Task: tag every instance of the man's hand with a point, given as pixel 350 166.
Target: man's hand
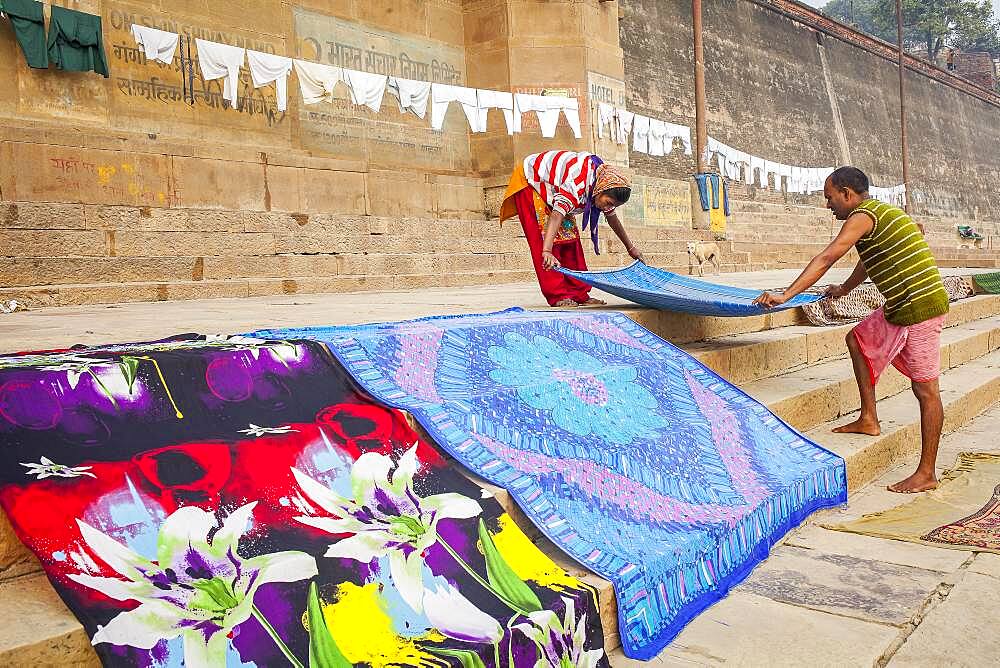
pixel 549 260
pixel 636 254
pixel 767 300
pixel 835 291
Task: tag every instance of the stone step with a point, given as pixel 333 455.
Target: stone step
pixel 818 393
pixel 51 636
pixel 744 358
pixel 966 390
pixel 40 630
pixel 37 296
pixel 39 271
pixel 983 263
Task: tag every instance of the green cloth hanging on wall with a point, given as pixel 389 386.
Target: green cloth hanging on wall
pixel 76 42
pixel 29 30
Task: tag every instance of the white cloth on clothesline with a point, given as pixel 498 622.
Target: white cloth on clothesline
pixel 640 133
pixel 158 44
pixel 442 95
pixel 266 68
pixel 317 81
pixel 605 119
pixel 657 138
pixel 221 61
pixel 548 109
pixel 367 89
pixel 623 120
pixel 412 95
pixel 495 99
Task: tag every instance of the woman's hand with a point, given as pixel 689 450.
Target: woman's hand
pixel 836 291
pixel 549 260
pixel 636 254
pixel 767 300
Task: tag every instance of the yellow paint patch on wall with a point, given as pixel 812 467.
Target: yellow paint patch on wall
pixel 362 627
pixel 528 561
pixel 104 174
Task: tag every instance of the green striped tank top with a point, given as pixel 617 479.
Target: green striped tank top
pixel 899 263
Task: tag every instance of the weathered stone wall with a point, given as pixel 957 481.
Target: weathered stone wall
pixel 775 88
pixel 120 189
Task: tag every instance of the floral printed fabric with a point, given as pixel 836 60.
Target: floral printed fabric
pixel 228 501
pixel 626 452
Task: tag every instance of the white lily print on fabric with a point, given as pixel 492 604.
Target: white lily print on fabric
pixel 386 517
pixel 456 617
pixel 560 644
pixel 199 589
pixel 49 469
pixel 255 430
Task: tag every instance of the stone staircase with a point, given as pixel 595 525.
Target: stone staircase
pixel 800 372
pixel 61 254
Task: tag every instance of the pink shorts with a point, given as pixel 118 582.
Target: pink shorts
pixel 914 350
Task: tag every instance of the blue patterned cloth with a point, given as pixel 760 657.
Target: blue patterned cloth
pixel 630 455
pixel 666 290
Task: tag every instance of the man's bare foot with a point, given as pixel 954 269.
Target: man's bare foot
pixel 566 302
pixel 593 301
pixel 869 427
pixel 918 482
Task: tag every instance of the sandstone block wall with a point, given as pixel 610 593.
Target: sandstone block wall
pixel 120 189
pixel 785 92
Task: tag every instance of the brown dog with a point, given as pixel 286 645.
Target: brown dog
pixel 701 252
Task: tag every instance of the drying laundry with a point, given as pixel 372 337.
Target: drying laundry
pixel 237 502
pixel 640 134
pixel 367 89
pixel 76 42
pixel 682 132
pixel 266 68
pixel 605 120
pixel 548 108
pixel 624 125
pixel 28 22
pixel 657 137
pixel 661 289
pixel 412 95
pixel 317 81
pixel 771 169
pixel 495 99
pixel 629 454
pixel 221 61
pixel 158 45
pixel 757 172
pixel 442 95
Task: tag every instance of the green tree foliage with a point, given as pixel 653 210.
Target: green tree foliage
pixel 931 25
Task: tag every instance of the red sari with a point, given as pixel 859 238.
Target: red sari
pixel 533 213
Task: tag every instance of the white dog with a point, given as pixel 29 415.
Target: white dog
pixel 702 252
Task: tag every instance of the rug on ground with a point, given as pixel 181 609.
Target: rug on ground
pixel 238 502
pixel 963 513
pixel 629 454
pixel 661 289
pixel 859 303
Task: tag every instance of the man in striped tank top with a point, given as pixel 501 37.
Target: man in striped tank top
pixel 906 331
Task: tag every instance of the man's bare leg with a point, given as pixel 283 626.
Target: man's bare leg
pixel 931 421
pixel 867 422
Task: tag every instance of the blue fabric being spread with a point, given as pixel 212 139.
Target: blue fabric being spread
pixel 630 455
pixel 666 290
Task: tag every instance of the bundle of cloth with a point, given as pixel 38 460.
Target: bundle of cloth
pixel 861 301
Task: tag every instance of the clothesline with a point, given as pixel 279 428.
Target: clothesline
pixel 318 81
pixel 647 134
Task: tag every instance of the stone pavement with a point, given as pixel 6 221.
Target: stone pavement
pixel 829 598
pixel 114 323
pixel 822 598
